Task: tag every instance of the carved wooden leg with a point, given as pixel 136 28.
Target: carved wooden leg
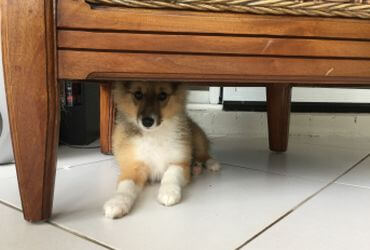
pixel 107 113
pixel 278 113
pixel 28 43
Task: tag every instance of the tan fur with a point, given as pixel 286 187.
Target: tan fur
pixel 194 136
pixel 161 150
pixel 200 143
pixel 130 168
pixel 187 171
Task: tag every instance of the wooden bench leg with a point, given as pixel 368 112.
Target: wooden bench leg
pixel 278 114
pixel 106 118
pixel 28 43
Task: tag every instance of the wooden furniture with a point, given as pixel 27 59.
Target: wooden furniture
pixel 107 114
pixel 43 41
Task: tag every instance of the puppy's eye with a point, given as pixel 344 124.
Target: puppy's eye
pixel 162 96
pixel 138 95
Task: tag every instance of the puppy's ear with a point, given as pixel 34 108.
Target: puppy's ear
pixel 127 85
pixel 121 86
pixel 119 90
pixel 177 86
pixel 179 92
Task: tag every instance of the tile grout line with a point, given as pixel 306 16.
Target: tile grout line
pixel 300 142
pixel 301 203
pixel 324 145
pixel 83 164
pixel 273 173
pixel 352 185
pixel 10 206
pixel 68 167
pixel 53 224
pixel 84 237
pixel 249 168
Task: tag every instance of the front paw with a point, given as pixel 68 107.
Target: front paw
pixel 213 165
pixel 117 207
pixel 169 194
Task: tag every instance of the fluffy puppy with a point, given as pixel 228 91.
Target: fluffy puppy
pixel 154 140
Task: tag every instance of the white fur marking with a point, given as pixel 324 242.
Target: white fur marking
pixel 169 194
pixel 159 147
pixel 121 203
pixel 170 190
pixel 213 165
pixel 174 175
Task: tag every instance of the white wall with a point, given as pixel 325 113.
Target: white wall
pixel 204 95
pixel 301 94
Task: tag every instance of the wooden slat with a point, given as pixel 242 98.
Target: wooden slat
pixel 78 14
pixel 85 64
pixel 212 44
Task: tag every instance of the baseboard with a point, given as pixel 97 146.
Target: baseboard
pixel 301 107
pixel 218 123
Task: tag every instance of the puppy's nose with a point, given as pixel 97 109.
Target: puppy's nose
pixel 147 122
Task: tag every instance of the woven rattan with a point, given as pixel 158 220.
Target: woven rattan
pixel 331 8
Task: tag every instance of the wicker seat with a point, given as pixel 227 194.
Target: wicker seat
pixel 331 8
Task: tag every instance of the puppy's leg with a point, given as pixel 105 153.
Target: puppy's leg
pixel 201 148
pixel 173 180
pixel 130 184
pixel 213 165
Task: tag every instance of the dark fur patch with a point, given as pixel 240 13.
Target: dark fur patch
pixel 131 129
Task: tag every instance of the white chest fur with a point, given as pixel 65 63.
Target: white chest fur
pixel 160 147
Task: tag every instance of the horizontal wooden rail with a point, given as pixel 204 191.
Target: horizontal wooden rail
pixel 213 44
pixel 85 64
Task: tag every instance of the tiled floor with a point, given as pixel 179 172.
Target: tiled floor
pixel 315 196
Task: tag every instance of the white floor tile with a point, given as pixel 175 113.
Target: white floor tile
pixel 70 157
pixel 359 176
pixel 358 143
pixel 17 234
pixel 313 162
pixel 219 211
pixel 9 191
pixel 67 157
pixel 337 218
pixel 7 171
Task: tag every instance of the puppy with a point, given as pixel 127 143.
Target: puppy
pixel 154 140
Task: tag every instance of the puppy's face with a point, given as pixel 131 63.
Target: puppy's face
pixel 148 104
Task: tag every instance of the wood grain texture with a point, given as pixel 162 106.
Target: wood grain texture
pixel 77 14
pixel 107 114
pixel 81 65
pixel 278 115
pixel 28 43
pixel 122 41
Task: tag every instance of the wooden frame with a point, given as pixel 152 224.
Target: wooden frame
pixel 77 15
pixel 29 56
pixel 107 115
pixel 104 44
